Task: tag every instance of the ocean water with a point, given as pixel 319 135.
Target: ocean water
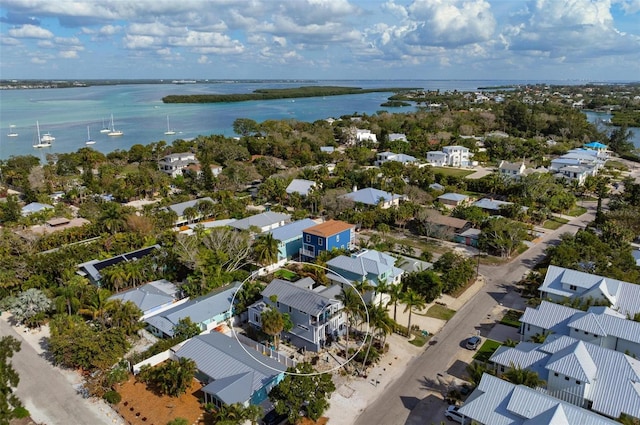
pixel 139 112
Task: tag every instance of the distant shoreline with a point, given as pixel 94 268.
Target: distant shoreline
pixel 271 94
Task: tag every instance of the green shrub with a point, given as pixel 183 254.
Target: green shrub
pixel 112 397
pixel 21 413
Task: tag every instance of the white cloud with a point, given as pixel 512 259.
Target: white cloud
pixel 203 60
pixel 30 31
pixel 109 30
pixel 38 61
pixel 135 42
pixel 69 54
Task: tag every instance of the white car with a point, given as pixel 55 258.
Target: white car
pixel 452 414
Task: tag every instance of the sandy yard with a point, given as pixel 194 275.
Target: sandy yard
pixel 141 406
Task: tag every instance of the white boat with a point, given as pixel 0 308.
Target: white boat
pixel 41 142
pixel 169 132
pixel 12 131
pixel 89 141
pixel 105 129
pixel 113 131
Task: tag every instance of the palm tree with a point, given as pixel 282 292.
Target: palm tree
pixel 382 287
pixel 475 370
pixel 411 299
pixel 519 376
pixel 134 271
pixel 265 249
pixel 96 303
pixel 272 324
pixel 395 291
pixel 114 277
pixel 68 296
pixel 380 322
pixel 125 316
pixel 350 305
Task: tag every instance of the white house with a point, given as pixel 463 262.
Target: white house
pixel 598 325
pixel 560 283
pixel 498 402
pixel 300 186
pixel 453 156
pixel 364 135
pixel 383 157
pixel 175 163
pixel 373 197
pixel 264 222
pixel 580 373
pixel 512 170
pixel 397 136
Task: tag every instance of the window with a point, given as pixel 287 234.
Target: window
pixel 573 287
pixel 586 333
pixel 337 238
pixel 578 382
pixel 278 304
pixel 303 327
pixel 555 374
pixel 566 378
pixel 320 241
pixel 289 309
pixel 501 368
pixel 308 238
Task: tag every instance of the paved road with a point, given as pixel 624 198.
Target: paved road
pixel 407 401
pixel 46 393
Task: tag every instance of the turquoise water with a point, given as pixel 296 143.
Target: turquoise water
pixel 139 112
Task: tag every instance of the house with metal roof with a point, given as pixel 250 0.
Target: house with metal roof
pixel 452 199
pixel 402 158
pixel 454 156
pixel 598 325
pixel 580 373
pixel 332 234
pixel 315 312
pixel 367 265
pixel 374 197
pixel 289 237
pixel 512 170
pixel 498 402
pixel 175 163
pixel 34 207
pixel 180 208
pixel 469 237
pixel 91 269
pixel 231 373
pixel 152 298
pixel 491 206
pixel 263 222
pixel 561 283
pixel 300 186
pixel 207 312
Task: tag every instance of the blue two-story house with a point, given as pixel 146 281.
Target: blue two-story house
pixel 366 265
pixel 315 312
pixel 332 234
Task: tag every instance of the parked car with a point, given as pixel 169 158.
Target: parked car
pixel 473 343
pixel 452 414
pixel 272 418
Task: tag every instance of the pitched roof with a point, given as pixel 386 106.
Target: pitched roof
pixel 93 268
pixel 35 207
pixel 614 376
pixel 549 316
pixel 490 204
pixel 264 219
pixel 301 186
pixel 149 296
pixel 180 207
pixel 199 310
pixel 370 196
pixel 457 197
pixel 624 296
pixel 291 230
pixel 238 374
pixel 364 263
pixel 297 297
pixel 329 228
pixel 436 217
pixel 498 402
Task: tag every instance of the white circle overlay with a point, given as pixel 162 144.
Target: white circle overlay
pixel 252 277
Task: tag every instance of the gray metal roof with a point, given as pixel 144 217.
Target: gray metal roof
pixel 490 204
pixel 614 376
pixel 180 207
pixel 291 230
pixel 456 197
pixel 301 186
pixel 549 316
pixel 149 296
pixel 199 310
pixel 222 358
pixel 364 263
pixel 302 299
pixel 498 402
pixel 264 219
pixel 624 296
pixel 370 196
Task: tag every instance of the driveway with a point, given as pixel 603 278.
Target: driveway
pixel 47 391
pixel 408 400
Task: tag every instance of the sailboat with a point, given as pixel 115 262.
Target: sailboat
pixel 113 131
pixel 12 131
pixel 105 129
pixel 89 141
pixel 41 142
pixel 169 131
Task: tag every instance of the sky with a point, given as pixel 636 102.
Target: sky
pixel 590 40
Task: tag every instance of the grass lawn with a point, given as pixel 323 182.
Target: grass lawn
pixel 512 318
pixel 447 171
pixel 486 350
pixel 577 211
pixel 554 223
pixel 441 312
pixel 419 340
pixel 286 275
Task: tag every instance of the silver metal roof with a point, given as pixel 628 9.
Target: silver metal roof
pixel 302 299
